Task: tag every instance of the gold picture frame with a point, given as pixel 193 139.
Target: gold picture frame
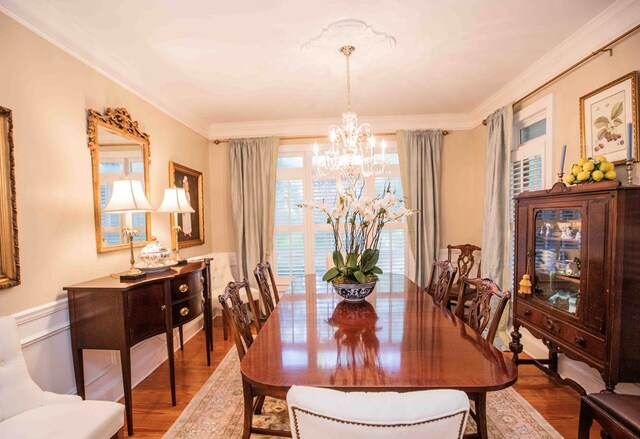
pixel 9 254
pixel 191 224
pixel 604 114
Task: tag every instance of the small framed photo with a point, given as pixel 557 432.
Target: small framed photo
pixel 191 224
pixel 604 115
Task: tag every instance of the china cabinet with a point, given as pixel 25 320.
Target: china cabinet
pixel 581 247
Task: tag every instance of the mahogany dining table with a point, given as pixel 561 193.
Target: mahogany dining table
pixel 397 340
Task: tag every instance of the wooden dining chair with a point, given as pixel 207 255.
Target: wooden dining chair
pixel 240 327
pixel 444 273
pixel 485 323
pixel 465 263
pixel 267 287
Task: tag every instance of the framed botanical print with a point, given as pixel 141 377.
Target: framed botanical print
pixel 604 115
pixel 191 224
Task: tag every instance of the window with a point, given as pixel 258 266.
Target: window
pixel 530 155
pixel 303 239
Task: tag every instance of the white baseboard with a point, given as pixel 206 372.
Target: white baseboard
pixel 46 344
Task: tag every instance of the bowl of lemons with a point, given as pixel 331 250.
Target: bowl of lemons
pixel 590 170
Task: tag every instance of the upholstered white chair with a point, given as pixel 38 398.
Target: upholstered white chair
pixel 317 413
pixel 27 412
pixel 220 277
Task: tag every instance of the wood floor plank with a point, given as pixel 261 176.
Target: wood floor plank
pixel 153 413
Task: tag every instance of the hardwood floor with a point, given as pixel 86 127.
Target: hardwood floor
pixel 153 413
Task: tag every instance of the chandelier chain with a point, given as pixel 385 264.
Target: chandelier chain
pixel 348 83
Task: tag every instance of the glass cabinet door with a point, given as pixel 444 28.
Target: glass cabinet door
pixel 557 258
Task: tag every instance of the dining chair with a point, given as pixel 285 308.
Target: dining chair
pixel 445 273
pixel 268 293
pixel 465 263
pixel 485 323
pixel 240 327
pixel 318 413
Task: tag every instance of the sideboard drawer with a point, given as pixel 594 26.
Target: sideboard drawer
pixel 184 286
pixel 578 339
pixel 186 310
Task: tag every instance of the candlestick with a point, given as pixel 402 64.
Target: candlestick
pixel 629 141
pixel 629 170
pixel 564 153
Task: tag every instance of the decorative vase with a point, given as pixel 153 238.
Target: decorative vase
pixel 354 292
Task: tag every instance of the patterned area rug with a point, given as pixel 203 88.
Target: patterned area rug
pixel 216 411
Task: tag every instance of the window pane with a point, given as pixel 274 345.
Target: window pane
pixel 392 244
pixel 323 190
pixel 392 158
pixel 533 131
pixel 289 253
pixel 323 249
pixel 395 183
pixel 290 162
pixel 136 167
pixel 288 196
pixel 110 168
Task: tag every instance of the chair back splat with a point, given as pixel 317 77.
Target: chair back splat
pixel 446 273
pixel 479 314
pixel 467 258
pixel 268 288
pixel 236 314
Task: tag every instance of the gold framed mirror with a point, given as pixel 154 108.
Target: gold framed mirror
pixel 118 150
pixel 9 261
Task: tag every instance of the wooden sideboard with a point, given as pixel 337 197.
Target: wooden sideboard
pixel 108 314
pixel 581 245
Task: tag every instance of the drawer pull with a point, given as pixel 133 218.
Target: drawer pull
pixel 163 307
pixel 184 311
pixel 202 279
pixel 526 313
pixel 580 341
pixel 183 288
pixel 552 325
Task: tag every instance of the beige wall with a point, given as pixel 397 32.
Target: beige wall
pixel 220 188
pixel 49 93
pixel 462 193
pixel 568 90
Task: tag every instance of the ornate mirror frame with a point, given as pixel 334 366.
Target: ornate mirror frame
pixel 119 121
pixel 9 260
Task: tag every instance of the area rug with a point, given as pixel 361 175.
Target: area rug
pixel 216 411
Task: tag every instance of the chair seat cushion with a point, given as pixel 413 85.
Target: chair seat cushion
pixel 78 420
pixel 624 408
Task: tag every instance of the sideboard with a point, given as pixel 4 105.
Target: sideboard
pixel 108 314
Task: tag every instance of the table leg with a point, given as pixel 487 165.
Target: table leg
pixel 78 369
pixel 125 360
pixel 169 332
pixel 481 413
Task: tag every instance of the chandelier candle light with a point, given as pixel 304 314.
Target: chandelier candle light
pixel 352 151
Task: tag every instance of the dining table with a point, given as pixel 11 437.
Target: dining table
pixel 398 340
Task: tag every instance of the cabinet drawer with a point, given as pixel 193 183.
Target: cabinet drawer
pixel 184 286
pixel 186 310
pixel 575 338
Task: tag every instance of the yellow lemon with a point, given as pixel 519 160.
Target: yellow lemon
pixel 601 158
pixel 584 175
pixel 582 161
pixel 575 169
pixel 597 175
pixel 588 166
pixel 569 178
pixel 606 167
pixel 611 175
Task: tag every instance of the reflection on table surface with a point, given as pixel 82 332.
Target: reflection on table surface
pixel 396 339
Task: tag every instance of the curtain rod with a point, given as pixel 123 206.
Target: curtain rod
pixel 289 138
pixel 605 48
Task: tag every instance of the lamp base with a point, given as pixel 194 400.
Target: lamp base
pixel 131 274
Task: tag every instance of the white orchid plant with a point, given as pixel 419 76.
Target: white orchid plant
pixel 357 223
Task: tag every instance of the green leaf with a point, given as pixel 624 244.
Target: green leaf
pixel 371 261
pixel 332 273
pixel 338 259
pixel 376 270
pixel 617 122
pixel 616 110
pixel 352 260
pixel 360 277
pixel 601 122
pixel 601 133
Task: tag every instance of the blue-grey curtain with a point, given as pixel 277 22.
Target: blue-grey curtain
pixel 495 228
pixel 420 153
pixel 253 191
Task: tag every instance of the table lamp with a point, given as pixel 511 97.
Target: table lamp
pixel 128 197
pixel 175 202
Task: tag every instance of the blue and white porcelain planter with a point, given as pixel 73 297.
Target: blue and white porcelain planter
pixel 354 292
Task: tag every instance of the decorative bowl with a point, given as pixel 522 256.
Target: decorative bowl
pixel 154 254
pixel 354 292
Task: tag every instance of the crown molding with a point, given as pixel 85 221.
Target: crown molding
pixel 314 127
pixel 52 25
pixel 603 28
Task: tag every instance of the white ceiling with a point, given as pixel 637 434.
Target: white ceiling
pixel 214 62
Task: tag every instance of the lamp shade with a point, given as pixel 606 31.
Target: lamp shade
pixel 127 196
pixel 175 201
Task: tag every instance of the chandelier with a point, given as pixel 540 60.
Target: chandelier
pixel 353 147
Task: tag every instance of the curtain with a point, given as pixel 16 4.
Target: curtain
pixel 419 153
pixel 253 191
pixel 496 228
